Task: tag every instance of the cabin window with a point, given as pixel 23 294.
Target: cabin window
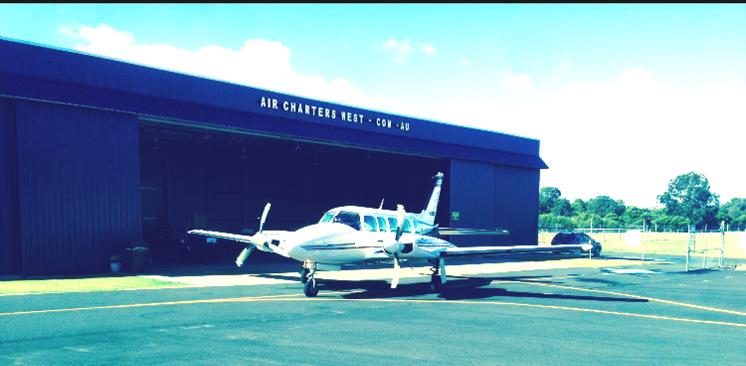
pixel 407 226
pixel 392 224
pixel 370 223
pixel 351 219
pixel 381 223
pixel 327 217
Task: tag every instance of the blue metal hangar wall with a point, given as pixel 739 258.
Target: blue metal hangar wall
pixel 97 154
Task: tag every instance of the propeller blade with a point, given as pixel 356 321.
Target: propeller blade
pixel 264 216
pixel 395 278
pixel 399 221
pixel 245 253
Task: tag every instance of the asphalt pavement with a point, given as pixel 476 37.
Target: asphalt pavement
pixel 635 314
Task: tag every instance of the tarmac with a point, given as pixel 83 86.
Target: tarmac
pixel 601 311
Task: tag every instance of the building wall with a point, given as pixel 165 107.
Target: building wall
pixel 78 183
pixel 9 245
pixel 488 196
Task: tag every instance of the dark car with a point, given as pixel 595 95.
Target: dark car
pixel 577 238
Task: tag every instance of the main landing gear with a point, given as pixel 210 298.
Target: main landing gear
pixel 438 278
pixel 308 278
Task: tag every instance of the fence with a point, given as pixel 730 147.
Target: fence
pixel 700 248
pixel 705 248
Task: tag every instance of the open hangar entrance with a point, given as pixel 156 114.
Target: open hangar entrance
pixel 197 177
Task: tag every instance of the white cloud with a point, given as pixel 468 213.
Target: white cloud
pixel 464 62
pixel 521 83
pixel 427 49
pixel 400 49
pixel 258 63
pixel 625 137
pixel 403 49
pixel 628 137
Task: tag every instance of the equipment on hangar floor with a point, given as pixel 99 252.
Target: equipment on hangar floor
pixel 354 234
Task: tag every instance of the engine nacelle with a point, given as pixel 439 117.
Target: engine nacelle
pixel 397 248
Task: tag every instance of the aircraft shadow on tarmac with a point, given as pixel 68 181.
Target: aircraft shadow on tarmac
pixel 458 288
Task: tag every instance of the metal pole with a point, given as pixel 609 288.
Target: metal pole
pixel 689 245
pixel 722 243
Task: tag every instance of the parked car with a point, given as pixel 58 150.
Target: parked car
pixel 577 238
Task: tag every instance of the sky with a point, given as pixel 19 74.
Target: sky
pixel 622 97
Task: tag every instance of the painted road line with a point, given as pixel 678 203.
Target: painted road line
pixel 149 304
pixel 518 304
pixel 290 298
pixel 651 299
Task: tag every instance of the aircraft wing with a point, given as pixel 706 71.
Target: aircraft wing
pixel 516 249
pixel 221 235
pixel 466 231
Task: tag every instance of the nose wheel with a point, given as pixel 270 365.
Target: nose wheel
pixel 308 278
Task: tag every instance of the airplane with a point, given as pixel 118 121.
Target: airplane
pixel 357 235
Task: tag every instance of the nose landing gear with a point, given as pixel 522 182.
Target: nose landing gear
pixel 308 278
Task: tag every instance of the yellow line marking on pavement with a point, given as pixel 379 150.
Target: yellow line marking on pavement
pixel 518 304
pixel 651 299
pixel 185 286
pixel 150 304
pixel 291 297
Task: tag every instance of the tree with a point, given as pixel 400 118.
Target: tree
pixel 548 197
pixel 578 206
pixel 634 216
pixel 604 205
pixel 689 196
pixel 554 222
pixel 733 212
pixel 562 207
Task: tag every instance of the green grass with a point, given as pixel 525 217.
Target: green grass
pixel 81 285
pixel 666 243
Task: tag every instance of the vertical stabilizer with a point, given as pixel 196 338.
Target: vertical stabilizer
pixel 428 213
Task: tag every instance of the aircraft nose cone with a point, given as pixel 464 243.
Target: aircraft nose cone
pixel 312 236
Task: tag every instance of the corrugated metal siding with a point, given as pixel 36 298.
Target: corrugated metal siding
pixel 78 187
pixel 472 195
pixel 9 245
pixel 489 196
pixel 517 203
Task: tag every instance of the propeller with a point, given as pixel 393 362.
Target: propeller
pixel 395 277
pixel 254 240
pixel 245 253
pixel 396 247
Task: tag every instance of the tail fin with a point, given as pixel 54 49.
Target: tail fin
pixel 428 213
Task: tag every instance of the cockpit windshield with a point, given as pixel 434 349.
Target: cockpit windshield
pixel 351 219
pixel 327 217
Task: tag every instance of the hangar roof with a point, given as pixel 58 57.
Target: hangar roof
pixel 42 73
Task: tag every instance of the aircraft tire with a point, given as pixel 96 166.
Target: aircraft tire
pixel 435 284
pixel 310 288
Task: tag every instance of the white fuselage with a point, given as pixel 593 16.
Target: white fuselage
pixel 336 243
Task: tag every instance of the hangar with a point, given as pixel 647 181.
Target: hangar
pixel 98 154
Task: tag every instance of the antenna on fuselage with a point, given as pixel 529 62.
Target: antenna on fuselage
pixel 381 205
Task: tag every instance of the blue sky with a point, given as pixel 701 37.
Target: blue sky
pixel 623 97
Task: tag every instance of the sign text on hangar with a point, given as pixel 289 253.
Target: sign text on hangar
pixel 308 109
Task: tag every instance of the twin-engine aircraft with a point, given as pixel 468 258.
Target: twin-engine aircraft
pixel 354 234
